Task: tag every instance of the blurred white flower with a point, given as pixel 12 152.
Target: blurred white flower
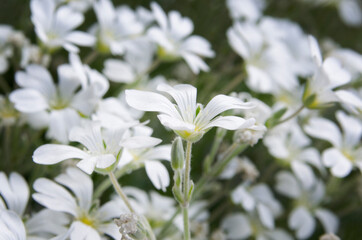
pixel 150 156
pixel 328 75
pixel 242 166
pixel 260 113
pixel 259 201
pixel 55 26
pixel 307 207
pixel 239 226
pixel 135 66
pixel 265 58
pixel 189 119
pixel 174 40
pixel 292 147
pixel 41 226
pixel 54 106
pixel 346 150
pixel 116 29
pixel 89 221
pixel 155 207
pixel 250 10
pixel 78 5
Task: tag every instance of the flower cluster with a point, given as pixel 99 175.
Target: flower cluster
pixel 257 131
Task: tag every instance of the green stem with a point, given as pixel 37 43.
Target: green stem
pixel 234 150
pixel 291 116
pixel 220 134
pixel 154 65
pixel 103 186
pixel 90 57
pixel 185 205
pixel 120 192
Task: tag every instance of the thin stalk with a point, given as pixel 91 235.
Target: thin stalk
pixel 234 150
pixel 103 186
pixel 91 57
pixel 120 192
pixel 291 115
pixel 185 206
pixel 154 65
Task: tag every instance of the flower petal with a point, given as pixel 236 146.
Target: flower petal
pixel 152 102
pixel 324 129
pixel 158 174
pixel 54 196
pixel 340 165
pixel 302 221
pixel 140 142
pixel 231 123
pixel 219 104
pixel 80 184
pixel 54 153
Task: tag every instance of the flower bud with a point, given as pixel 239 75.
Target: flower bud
pixel 177 154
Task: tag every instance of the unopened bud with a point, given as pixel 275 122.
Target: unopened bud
pixel 177 154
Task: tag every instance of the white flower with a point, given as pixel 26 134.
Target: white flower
pixel 54 106
pixel 148 154
pixel 307 202
pixel 102 148
pixel 350 12
pixel 89 222
pixel 155 207
pixel 346 150
pixel 11 225
pixel 78 5
pixel 259 201
pixel 15 192
pixel 117 28
pixel 265 58
pixel 328 75
pixel 291 146
pixel 260 113
pixel 241 226
pixel 114 113
pixel 55 26
pixel 189 119
pixel 250 10
pixel 173 37
pixel 135 66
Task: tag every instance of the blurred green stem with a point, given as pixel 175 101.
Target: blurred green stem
pixel 291 116
pixel 91 57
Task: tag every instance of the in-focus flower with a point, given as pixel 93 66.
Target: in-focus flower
pixel 346 150
pixel 55 26
pixel 187 118
pixel 328 75
pixel 308 201
pixel 89 221
pixel 102 148
pixel 174 40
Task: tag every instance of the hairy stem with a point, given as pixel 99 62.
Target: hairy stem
pixel 185 206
